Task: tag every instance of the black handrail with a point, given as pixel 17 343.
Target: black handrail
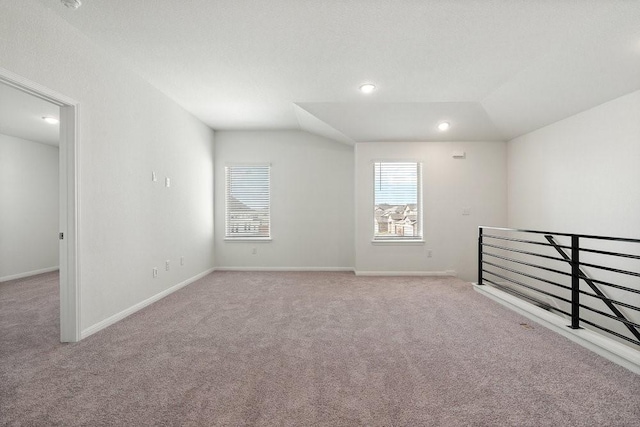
pixel 576 274
pixel 586 236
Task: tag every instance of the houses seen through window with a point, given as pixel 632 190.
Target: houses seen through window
pixel 247 202
pixel 397 201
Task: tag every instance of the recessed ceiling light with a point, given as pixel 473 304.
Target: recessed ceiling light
pixel 444 126
pixel 51 120
pixel 367 88
pixel 71 4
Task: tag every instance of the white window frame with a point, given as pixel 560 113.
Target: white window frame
pixel 231 238
pixel 395 240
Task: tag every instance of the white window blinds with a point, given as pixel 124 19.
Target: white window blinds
pixel 397 201
pixel 248 195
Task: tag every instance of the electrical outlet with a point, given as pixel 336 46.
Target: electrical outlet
pixel 429 253
pixel 254 251
pixel 167 182
pixel 166 265
pixel 155 272
pixel 181 260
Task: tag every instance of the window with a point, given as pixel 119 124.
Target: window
pixel 397 209
pixel 248 197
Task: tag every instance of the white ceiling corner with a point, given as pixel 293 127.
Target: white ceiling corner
pixel 312 124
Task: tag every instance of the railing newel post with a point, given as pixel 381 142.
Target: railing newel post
pixel 575 282
pixel 480 256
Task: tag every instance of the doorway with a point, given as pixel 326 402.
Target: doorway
pixel 67 206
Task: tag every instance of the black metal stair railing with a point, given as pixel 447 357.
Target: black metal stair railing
pixel 520 266
pixel 598 293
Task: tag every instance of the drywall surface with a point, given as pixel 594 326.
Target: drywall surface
pixel 28 207
pixel 127 224
pixel 476 182
pixel 581 174
pixel 311 200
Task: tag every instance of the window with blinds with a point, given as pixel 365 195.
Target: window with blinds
pixel 397 201
pixel 248 200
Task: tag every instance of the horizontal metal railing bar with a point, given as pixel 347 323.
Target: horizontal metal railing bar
pixel 596 251
pixel 533 288
pixel 610 316
pixel 620 254
pixel 602 328
pixel 524 252
pixel 603 298
pixel 586 236
pixel 612 285
pixel 531 276
pixel 614 270
pixel 525 296
pixel 553 270
pixel 532 242
pixel 559 247
pixel 601 252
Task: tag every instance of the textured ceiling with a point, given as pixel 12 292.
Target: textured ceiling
pixel 495 68
pixel 21 116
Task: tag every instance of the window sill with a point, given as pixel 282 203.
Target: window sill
pixel 248 239
pixel 417 242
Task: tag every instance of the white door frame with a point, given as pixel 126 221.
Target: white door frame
pixel 68 181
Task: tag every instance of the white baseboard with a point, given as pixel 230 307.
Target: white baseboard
pixel 284 269
pixel 615 351
pixel 29 273
pixel 407 273
pixel 139 306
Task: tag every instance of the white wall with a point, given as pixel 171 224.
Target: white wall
pixel 581 174
pixel 477 182
pixel 127 224
pixel 28 207
pixel 311 200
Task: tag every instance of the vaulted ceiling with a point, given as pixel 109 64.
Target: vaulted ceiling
pixel 494 69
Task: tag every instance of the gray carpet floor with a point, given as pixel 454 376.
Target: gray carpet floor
pixel 304 349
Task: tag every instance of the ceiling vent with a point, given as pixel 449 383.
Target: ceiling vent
pixel 71 4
